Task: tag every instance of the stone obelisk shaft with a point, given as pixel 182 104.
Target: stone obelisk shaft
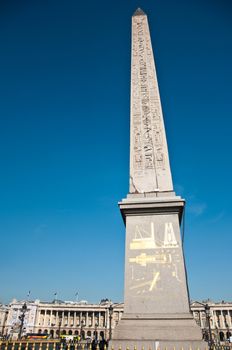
pixel 156 303
pixel 149 161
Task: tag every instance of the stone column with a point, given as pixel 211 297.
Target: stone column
pixel 45 318
pixel 200 318
pixel 62 319
pixel 222 320
pixel 38 319
pixel 228 318
pixel 52 317
pixel 107 319
pixel 107 323
pixel 212 319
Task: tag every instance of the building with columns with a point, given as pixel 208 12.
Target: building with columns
pixel 3 317
pixel 76 318
pixel 220 319
pixel 12 322
pixel 64 318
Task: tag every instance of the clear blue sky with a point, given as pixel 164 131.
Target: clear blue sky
pixel 64 141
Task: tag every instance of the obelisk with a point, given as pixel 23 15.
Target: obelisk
pixel 156 302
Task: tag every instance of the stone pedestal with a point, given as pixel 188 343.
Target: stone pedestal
pixel 156 312
pixel 179 331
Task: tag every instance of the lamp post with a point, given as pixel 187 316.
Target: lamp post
pixel 207 315
pixel 227 331
pixel 111 310
pixel 82 325
pixel 96 325
pixel 60 320
pixel 217 335
pixel 22 317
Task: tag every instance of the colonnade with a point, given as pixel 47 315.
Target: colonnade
pixel 85 322
pixel 220 320
pixel 88 319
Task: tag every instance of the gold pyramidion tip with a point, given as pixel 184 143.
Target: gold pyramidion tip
pixel 139 12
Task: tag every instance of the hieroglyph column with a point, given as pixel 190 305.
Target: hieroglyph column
pixel 149 161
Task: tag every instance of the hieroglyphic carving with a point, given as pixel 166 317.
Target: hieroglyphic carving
pixel 150 170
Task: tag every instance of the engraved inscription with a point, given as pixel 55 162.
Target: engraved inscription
pixel 149 169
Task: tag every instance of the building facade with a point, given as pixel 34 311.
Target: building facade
pixel 63 318
pixel 3 317
pixel 12 322
pixel 87 320
pixel 220 319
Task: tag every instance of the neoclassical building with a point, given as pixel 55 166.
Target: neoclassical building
pixel 81 318
pixel 76 318
pixel 220 319
pixel 3 317
pixel 70 318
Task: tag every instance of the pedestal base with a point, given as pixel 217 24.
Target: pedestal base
pixel 179 332
pixel 158 345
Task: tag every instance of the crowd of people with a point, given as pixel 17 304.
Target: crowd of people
pixel 94 344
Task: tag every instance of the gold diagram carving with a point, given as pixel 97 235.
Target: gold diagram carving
pixel 162 253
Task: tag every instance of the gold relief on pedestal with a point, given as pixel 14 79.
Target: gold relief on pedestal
pixel 161 253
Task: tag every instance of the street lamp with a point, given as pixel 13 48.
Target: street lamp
pixel 207 315
pixel 111 310
pixel 22 317
pixel 217 335
pixel 60 320
pixel 228 331
pixel 96 325
pixel 82 324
